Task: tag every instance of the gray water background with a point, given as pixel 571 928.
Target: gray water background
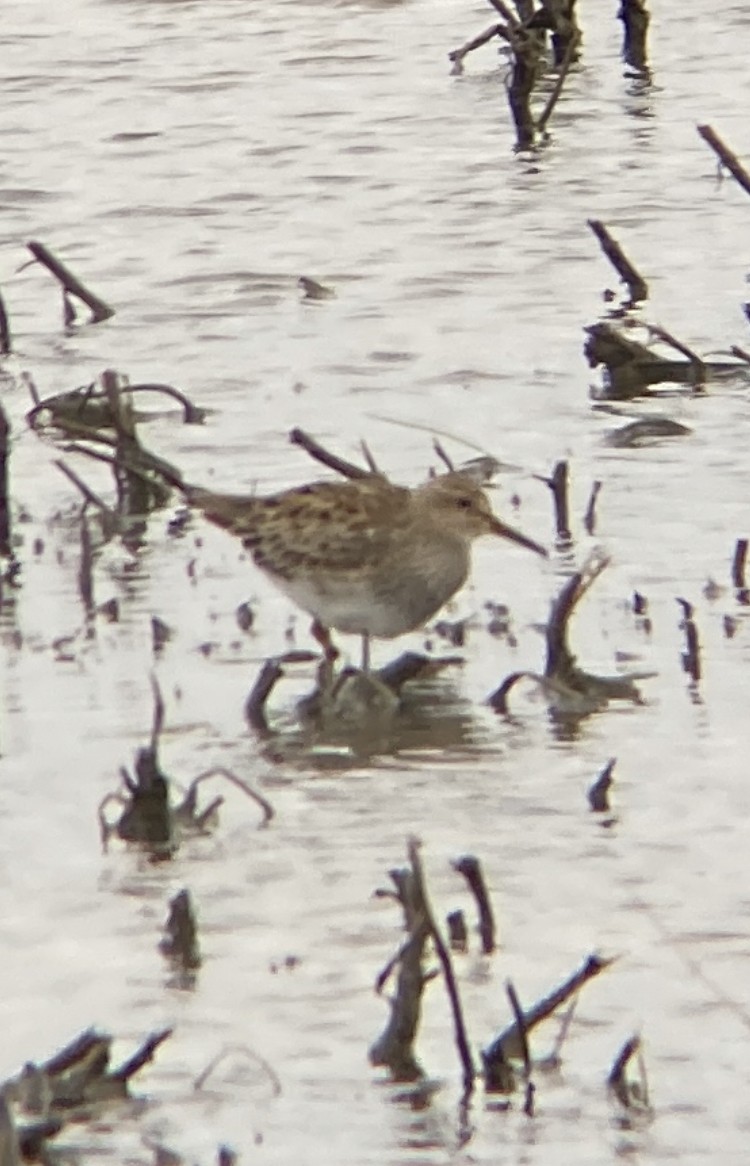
pixel 190 161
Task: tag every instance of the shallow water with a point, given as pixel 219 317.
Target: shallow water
pixel 190 161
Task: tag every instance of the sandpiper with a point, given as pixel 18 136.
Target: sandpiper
pixel 363 555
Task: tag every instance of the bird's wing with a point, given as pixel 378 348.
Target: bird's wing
pixel 336 525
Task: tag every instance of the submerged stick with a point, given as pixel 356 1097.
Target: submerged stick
pixel 727 159
pixel 4 329
pixel 70 283
pixel 629 275
pixel 5 548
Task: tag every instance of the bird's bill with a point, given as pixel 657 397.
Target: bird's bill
pixel 515 536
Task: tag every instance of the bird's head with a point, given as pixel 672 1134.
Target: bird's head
pixel 456 504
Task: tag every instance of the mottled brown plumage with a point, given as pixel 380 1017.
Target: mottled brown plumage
pixel 363 555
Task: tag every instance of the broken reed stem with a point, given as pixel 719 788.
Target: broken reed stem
pixel 589 518
pixel 598 794
pixel 255 705
pixel 471 869
pixel 729 160
pixel 738 564
pixel 558 484
pixel 142 1055
pixel 5 345
pixel 71 285
pixel 635 282
pixel 322 455
pixel 567 61
pixel 462 1040
pixel 691 657
pixel 157 723
pixel 635 18
pixel 515 1003
pixel 86 569
pixel 5 548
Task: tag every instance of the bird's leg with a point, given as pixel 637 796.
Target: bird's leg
pixel 323 636
pixel 365 653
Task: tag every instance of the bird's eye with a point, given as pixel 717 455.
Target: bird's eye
pixel 464 503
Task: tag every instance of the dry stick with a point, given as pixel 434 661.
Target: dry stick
pixel 567 61
pixel 317 451
pixel 4 329
pixel 740 353
pixel 99 309
pixel 726 157
pixel 5 548
pixel 636 284
pixel 462 1040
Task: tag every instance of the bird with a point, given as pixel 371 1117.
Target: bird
pixel 362 555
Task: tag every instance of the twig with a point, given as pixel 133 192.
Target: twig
pixel 221 771
pixel 443 955
pixel 107 514
pixel 725 155
pixel 667 338
pixel 567 61
pixel 636 284
pixel 317 451
pixel 99 309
